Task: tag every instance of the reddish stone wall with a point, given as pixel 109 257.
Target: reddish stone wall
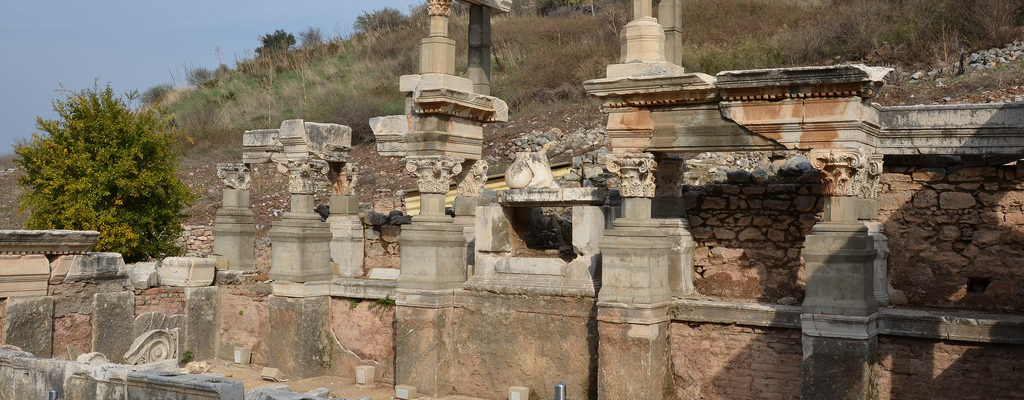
pixel 71 329
pixel 169 301
pixel 749 237
pixel 911 369
pixel 381 247
pixel 367 329
pixel 245 321
pixel 956 234
pixel 711 361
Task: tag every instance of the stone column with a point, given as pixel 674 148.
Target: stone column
pixel 470 184
pixel 670 16
pixel 234 229
pixel 839 313
pixel 437 51
pixel 433 266
pixel 633 304
pixel 346 227
pixel 300 241
pixel 643 46
pixel 479 65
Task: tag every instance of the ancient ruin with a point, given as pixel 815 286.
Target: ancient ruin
pixel 807 272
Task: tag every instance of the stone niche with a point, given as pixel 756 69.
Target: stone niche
pixel 540 241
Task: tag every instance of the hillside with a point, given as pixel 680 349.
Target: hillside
pixel 540 59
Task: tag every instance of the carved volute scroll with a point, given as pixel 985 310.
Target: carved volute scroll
pixel 235 175
pixel 848 172
pixel 433 174
pixel 303 175
pixel 153 346
pixel 471 180
pixel 636 170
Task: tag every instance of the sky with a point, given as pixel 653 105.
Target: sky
pixel 137 44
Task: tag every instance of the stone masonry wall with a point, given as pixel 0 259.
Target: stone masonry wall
pixel 244 321
pixel 367 329
pixel 196 240
pixel 918 369
pixel 711 362
pixel 956 234
pixel 169 301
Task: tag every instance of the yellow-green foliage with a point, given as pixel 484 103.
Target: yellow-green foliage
pixel 103 166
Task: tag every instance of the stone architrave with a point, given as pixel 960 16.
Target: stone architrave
pixel 234 228
pixel 25 275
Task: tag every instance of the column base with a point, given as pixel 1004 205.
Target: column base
pixel 433 254
pixel 300 248
pixel 634 352
pixel 837 368
pixel 234 234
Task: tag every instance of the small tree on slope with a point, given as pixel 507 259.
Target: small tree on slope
pixel 103 166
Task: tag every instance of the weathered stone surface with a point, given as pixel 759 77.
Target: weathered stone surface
pixel 93 267
pixel 385 273
pixel 302 248
pixel 244 317
pixel 956 200
pixel 25 275
pixel 154 346
pixel 28 324
pixel 301 344
pixel 143 275
pixel 149 385
pixel 71 331
pixel 201 321
pixel 51 242
pixel 187 271
pixel 838 368
pixel 366 331
pixel 530 170
pixel 113 324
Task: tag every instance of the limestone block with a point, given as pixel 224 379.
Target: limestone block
pixel 93 267
pixel 433 256
pixel 271 374
pixel 234 234
pixel 143 274
pixel 29 325
pixel 635 263
pixel 51 242
pixel 302 140
pixel 413 83
pixel 390 133
pixel 840 270
pixel 243 355
pixel 680 257
pixel 301 250
pixel 518 393
pixel 346 245
pixel 391 274
pixel 299 345
pixel 259 145
pixel 23 275
pixel 60 266
pixel 492 229
pixel 187 271
pixel 838 368
pixel 149 385
pixel 635 360
pixel 587 229
pixel 365 375
pixel 113 324
pixel 405 392
pixel 201 321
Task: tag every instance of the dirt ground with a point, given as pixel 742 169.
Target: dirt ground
pixel 343 387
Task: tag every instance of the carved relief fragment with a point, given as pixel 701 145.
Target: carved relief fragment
pixel 235 175
pixel 636 170
pixel 433 174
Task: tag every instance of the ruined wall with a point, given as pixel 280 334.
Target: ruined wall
pixel 367 329
pixel 73 312
pixel 3 321
pixel 956 234
pixel 712 361
pixel 196 240
pixel 72 329
pixel 749 237
pixel 524 340
pixel 381 246
pixel 244 321
pixel 168 300
pixel 912 369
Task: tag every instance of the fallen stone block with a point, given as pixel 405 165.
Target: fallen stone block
pixel 365 374
pixel 272 374
pixel 113 323
pixel 145 385
pixel 94 267
pixel 29 325
pixel 187 271
pixel 143 274
pixel 23 275
pixel 51 242
pixel 405 392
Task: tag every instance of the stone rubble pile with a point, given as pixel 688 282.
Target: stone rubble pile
pixel 981 60
pixel 559 145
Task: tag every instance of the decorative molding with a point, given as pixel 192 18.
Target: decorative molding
pixel 235 175
pixel 302 175
pixel 636 170
pixel 439 8
pixel 433 174
pixel 153 346
pixel 471 180
pixel 848 172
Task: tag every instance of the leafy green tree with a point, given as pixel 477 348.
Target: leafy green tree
pixel 100 165
pixel 276 42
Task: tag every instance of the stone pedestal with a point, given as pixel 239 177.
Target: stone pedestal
pixel 680 256
pixel 837 368
pixel 234 231
pixel 301 242
pixel 433 251
pixel 635 256
pixel 424 345
pixel 301 345
pixel 346 237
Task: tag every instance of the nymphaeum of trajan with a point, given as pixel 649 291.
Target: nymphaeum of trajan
pixel 636 171
pixel 848 172
pixel 433 174
pixel 303 175
pixel 472 180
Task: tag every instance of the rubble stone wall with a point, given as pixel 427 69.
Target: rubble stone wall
pixel 712 361
pixel 381 246
pixel 956 235
pixel 367 329
pixel 911 369
pixel 196 240
pixel 168 300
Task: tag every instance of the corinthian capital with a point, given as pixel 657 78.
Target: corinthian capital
pixel 442 8
pixel 848 172
pixel 344 177
pixel 303 175
pixel 471 180
pixel 636 170
pixel 434 173
pixel 234 175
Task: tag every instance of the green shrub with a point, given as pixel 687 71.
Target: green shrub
pixel 103 166
pixel 385 19
pixel 277 42
pixel 156 94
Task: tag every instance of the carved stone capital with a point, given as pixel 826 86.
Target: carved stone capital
pixel 636 170
pixel 235 175
pixel 433 174
pixel 848 172
pixel 344 177
pixel 669 177
pixel 303 175
pixel 439 8
pixel 471 180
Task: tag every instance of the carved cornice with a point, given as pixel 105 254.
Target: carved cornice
pixel 303 175
pixel 439 8
pixel 636 171
pixel 433 174
pixel 848 172
pixel 235 175
pixel 471 180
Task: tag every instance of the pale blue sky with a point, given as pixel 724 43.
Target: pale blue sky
pixel 136 44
